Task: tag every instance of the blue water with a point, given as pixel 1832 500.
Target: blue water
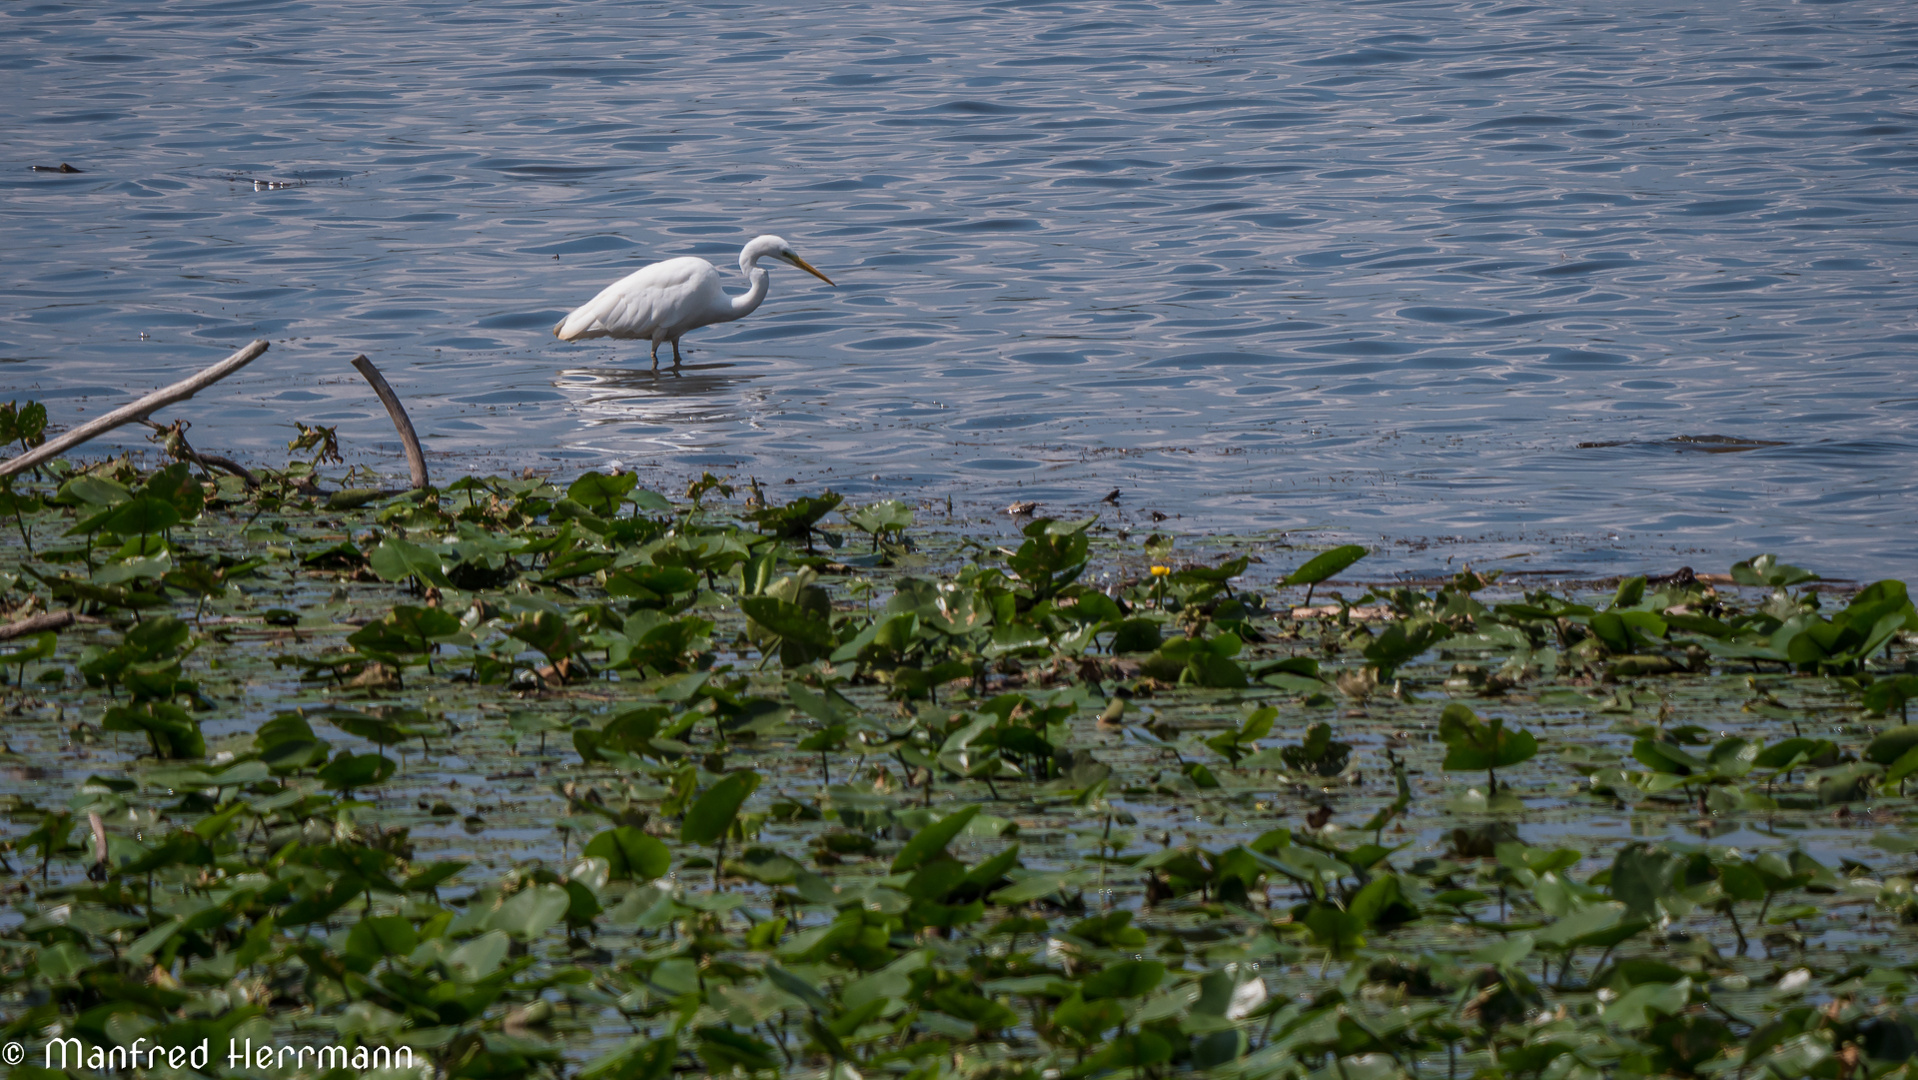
pixel 1384 270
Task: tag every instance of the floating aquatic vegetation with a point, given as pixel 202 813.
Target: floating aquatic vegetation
pixel 539 779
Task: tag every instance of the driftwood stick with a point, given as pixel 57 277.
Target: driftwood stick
pixel 139 410
pixel 229 466
pixel 38 624
pixel 415 458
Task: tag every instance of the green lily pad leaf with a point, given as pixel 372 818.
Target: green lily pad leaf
pixel 602 494
pixel 889 517
pixel 1643 876
pixel 1765 571
pixel 1319 755
pixel 374 939
pixel 790 621
pixel 631 854
pixel 349 772
pixel 1403 642
pixel 530 912
pixel 1892 745
pixel 930 842
pixel 374 729
pixel 713 813
pixel 798 987
pixel 434 876
pixel 142 516
pixel 548 632
pixel 405 630
pixel 1126 979
pixel 1137 635
pixel 479 957
pixel 1323 565
pixel 397 560
pixel 170 731
pixel 723 1050
pixel 637 1059
pixel 1476 744
pixel 92 491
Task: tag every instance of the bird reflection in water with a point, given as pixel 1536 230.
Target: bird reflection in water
pixel 700 393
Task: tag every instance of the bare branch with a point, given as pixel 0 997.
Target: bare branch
pixel 38 624
pixel 139 410
pixel 415 458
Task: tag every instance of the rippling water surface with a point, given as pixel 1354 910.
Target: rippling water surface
pixel 1478 279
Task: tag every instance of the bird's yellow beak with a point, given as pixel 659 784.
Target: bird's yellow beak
pixel 808 268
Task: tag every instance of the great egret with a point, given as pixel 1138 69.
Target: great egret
pixel 664 300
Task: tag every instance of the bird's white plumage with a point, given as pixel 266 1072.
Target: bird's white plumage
pixel 667 298
pixel 661 302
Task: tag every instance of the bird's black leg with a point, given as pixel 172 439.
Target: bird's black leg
pixel 655 355
pixel 675 352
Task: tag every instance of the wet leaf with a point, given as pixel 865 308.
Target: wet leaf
pixel 1476 744
pixel 1126 979
pixel 630 854
pixel 602 494
pixel 930 842
pixel 713 813
pixel 170 731
pixel 350 772
pixel 397 560
pixel 1325 564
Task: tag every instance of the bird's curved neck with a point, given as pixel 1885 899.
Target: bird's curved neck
pixel 745 303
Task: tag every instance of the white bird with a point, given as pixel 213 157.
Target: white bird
pixel 663 301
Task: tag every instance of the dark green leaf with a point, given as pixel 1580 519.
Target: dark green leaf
pixel 789 621
pixel 724 1049
pixel 1126 979
pixel 712 815
pixel 1472 743
pixel 397 560
pixel 632 854
pixel 928 843
pixel 1324 565
pixel 347 772
pixel 602 494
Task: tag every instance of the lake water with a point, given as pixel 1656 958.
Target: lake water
pixel 1601 284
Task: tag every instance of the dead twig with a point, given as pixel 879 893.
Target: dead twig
pixel 37 624
pixel 228 465
pixel 139 410
pixel 415 458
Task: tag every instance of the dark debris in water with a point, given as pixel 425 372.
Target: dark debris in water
pixel 1704 444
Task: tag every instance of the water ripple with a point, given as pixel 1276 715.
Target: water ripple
pixel 1309 268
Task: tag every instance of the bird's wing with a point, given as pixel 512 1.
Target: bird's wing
pixel 638 305
pixel 583 321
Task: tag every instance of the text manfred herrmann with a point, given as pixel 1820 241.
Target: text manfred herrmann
pixel 241 1054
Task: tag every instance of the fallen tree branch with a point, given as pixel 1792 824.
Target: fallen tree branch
pixel 139 410
pixel 415 457
pixel 229 466
pixel 37 624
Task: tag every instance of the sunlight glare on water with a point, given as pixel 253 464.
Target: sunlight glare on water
pixel 1473 278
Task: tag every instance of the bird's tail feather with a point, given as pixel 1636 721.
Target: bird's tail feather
pixel 582 322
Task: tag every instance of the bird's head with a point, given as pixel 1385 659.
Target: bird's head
pixel 773 247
